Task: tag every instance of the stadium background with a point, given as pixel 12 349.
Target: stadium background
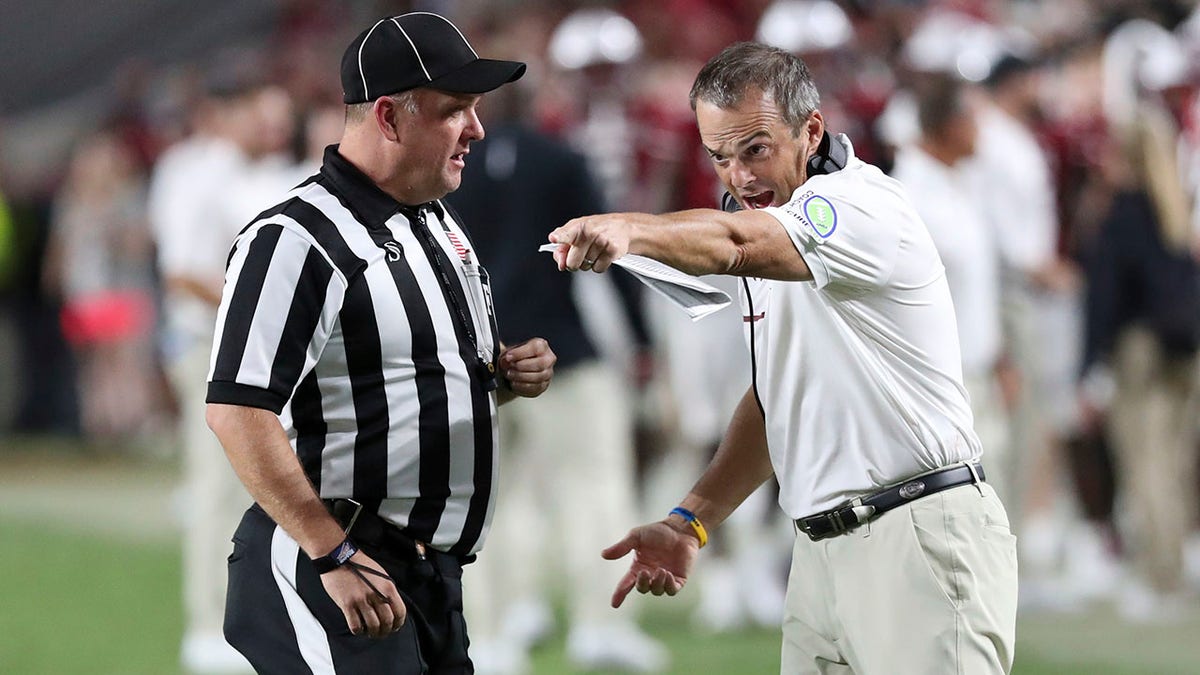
pixel 89 523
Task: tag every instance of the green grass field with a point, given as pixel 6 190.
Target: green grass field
pixel 82 603
pixel 81 594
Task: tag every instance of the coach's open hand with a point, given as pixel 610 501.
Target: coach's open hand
pixel 528 367
pixel 663 556
pixel 364 609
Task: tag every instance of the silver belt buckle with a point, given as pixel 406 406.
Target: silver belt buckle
pixel 862 512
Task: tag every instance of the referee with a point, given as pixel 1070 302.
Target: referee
pixel 356 375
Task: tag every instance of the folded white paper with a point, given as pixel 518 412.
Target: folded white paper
pixel 695 297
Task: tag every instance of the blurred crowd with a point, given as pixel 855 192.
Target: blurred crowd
pixel 1053 148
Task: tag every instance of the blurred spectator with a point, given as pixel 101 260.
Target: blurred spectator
pixel 322 126
pixel 1041 314
pixel 100 262
pixel 931 171
pixel 1144 317
pixel 205 190
pixel 47 392
pixel 594 46
pixel 1073 133
pixel 594 71
pixel 523 184
pixel 667 26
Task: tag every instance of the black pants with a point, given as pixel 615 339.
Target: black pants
pixel 278 615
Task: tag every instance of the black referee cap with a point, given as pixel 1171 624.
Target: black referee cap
pixel 418 49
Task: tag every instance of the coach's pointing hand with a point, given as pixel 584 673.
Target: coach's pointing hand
pixel 593 242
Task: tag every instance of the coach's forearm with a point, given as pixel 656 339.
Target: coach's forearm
pixel 709 241
pixel 740 466
pixel 697 241
pixel 258 449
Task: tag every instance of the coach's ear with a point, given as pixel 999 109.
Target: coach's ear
pixel 814 128
pixel 828 158
pixel 812 133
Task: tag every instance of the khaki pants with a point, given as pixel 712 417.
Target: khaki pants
pixel 1153 432
pixel 1045 334
pixel 929 587
pixel 566 492
pixel 215 498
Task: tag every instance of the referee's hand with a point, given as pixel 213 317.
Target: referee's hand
pixel 370 602
pixel 528 367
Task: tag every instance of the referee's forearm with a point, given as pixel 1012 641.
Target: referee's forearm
pixel 260 454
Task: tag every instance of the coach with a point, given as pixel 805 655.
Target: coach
pixel 903 562
pixel 356 375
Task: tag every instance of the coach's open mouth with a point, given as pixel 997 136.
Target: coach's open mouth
pixel 760 200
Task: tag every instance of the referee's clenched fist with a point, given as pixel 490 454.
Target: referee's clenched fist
pixel 526 369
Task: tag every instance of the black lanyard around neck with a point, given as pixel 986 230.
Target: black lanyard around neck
pixel 487 369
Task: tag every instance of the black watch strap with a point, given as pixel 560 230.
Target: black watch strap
pixel 335 558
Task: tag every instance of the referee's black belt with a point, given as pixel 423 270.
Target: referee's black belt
pixel 857 511
pixel 367 528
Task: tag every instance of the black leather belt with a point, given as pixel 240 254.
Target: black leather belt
pixel 365 527
pixel 858 511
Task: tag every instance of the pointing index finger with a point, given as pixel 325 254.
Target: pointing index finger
pixel 564 236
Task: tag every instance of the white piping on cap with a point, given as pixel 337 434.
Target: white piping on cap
pixel 464 38
pixel 361 72
pixel 414 48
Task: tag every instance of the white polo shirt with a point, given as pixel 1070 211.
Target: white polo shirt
pixel 858 371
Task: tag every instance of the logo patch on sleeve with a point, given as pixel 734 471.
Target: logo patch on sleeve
pixel 821 215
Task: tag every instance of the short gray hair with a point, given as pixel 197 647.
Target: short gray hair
pixel 745 66
pixel 357 112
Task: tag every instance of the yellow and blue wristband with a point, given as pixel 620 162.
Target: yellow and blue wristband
pixel 692 520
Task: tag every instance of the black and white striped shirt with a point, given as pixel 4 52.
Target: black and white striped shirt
pixel 366 325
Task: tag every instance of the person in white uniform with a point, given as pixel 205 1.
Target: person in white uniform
pixel 904 554
pixel 930 170
pixel 1040 298
pixel 203 191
